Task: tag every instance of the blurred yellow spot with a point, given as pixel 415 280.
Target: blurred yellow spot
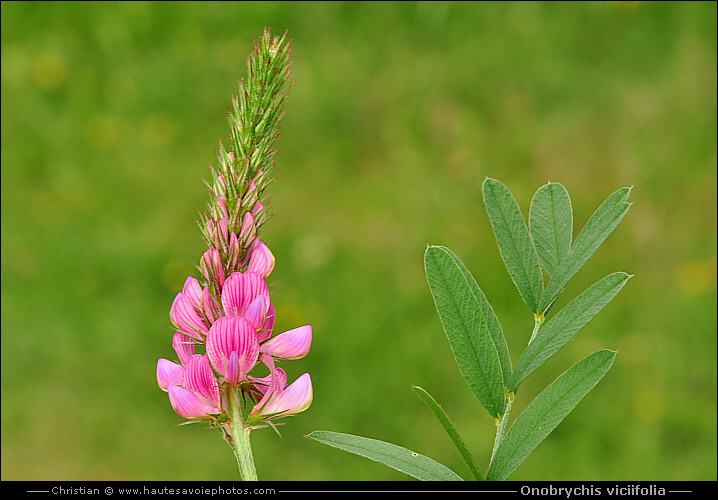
pixel 696 276
pixel 649 406
pixel 313 251
pixel 49 72
pixel 635 348
pixel 158 130
pixel 101 132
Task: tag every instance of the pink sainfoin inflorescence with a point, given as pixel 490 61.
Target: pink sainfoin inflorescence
pixel 225 324
pixel 231 318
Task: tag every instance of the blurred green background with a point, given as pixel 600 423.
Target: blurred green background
pixel 110 117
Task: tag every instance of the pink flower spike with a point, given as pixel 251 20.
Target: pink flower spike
pixel 294 399
pixel 232 334
pixel 199 378
pixel 168 373
pixel 184 346
pixel 261 260
pixel 293 344
pixel 187 404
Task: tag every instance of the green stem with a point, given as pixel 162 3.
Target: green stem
pixel 241 446
pixel 502 422
pixel 538 321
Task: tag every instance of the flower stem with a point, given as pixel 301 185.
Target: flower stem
pixel 241 446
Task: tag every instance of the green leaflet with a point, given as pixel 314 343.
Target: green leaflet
pixel 401 459
pixel 490 319
pixel 451 431
pixel 546 412
pixel 601 224
pixel 551 225
pixel 515 244
pixel 557 332
pixel 466 328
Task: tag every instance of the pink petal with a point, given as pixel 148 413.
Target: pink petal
pixel 218 231
pixel 193 290
pixel 263 383
pixel 294 399
pixel 210 307
pixel 260 176
pixel 184 346
pixel 199 378
pixel 223 229
pixel 293 344
pixel 248 230
pixel 229 334
pixel 266 331
pixel 257 208
pixel 212 267
pixel 186 318
pixel 211 230
pixel 222 202
pixel 250 197
pixel 261 260
pixel 234 250
pixel 273 386
pixel 168 372
pixel 187 404
pixel 257 312
pixel 234 372
pixel 240 290
pixel 232 294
